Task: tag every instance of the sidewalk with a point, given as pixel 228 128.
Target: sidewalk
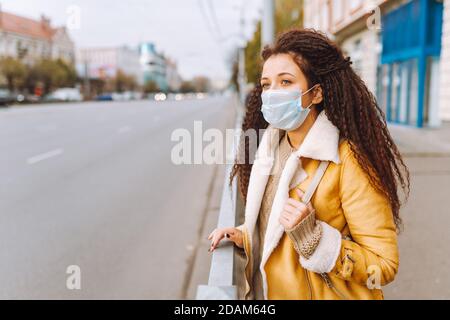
pixel 423 244
pixel 422 142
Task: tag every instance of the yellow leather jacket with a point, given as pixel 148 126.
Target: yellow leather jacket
pixel 368 256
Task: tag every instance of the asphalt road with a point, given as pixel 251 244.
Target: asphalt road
pixel 93 185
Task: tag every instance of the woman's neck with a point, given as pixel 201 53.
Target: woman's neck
pixel 297 136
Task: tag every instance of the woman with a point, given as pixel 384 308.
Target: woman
pixel 342 244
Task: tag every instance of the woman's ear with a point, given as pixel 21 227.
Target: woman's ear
pixel 318 95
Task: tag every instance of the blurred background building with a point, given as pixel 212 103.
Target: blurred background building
pixel 141 65
pixel 400 48
pixel 35 57
pixel 105 63
pixel 30 40
pixel 154 66
pixel 174 79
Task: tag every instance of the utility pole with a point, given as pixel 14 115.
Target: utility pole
pixel 87 86
pixel 241 73
pixel 241 78
pixel 268 23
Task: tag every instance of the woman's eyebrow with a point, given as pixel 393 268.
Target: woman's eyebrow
pixel 280 74
pixel 285 73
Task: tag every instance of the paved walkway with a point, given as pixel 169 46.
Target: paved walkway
pixel 422 142
pixel 424 249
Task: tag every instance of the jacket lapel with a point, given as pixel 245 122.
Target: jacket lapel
pixel 262 166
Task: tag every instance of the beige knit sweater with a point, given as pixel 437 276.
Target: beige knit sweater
pixel 284 151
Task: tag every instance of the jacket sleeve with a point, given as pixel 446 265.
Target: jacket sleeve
pixel 372 253
pixel 245 253
pixel 245 239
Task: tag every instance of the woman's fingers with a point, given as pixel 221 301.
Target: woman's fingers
pixel 287 216
pixel 211 234
pixel 294 202
pixel 216 239
pixel 292 210
pixel 300 193
pixel 297 210
pixel 285 221
pixel 218 234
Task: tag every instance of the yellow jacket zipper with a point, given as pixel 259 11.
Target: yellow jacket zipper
pixel 330 285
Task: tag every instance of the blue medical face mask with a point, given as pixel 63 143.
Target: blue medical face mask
pixel 283 108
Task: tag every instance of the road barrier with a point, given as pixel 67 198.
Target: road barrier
pixel 221 283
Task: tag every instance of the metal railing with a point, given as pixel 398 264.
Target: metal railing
pixel 221 283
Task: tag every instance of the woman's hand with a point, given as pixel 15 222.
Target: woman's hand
pixel 217 235
pixel 294 212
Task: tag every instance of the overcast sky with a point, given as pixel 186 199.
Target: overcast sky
pixel 177 27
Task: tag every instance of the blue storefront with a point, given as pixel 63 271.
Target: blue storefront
pixel 408 72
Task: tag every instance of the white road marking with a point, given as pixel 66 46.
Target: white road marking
pixel 45 156
pixel 124 130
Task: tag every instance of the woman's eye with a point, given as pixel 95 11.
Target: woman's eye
pixel 265 85
pixel 286 82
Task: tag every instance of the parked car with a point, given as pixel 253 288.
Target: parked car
pixel 104 97
pixel 6 97
pixel 134 95
pixel 118 96
pixel 126 96
pixel 30 98
pixel 65 94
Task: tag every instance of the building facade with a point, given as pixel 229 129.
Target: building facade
pixel 444 100
pixel 142 62
pixel 173 77
pixel 154 66
pixel 104 63
pixel 399 47
pixel 30 40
